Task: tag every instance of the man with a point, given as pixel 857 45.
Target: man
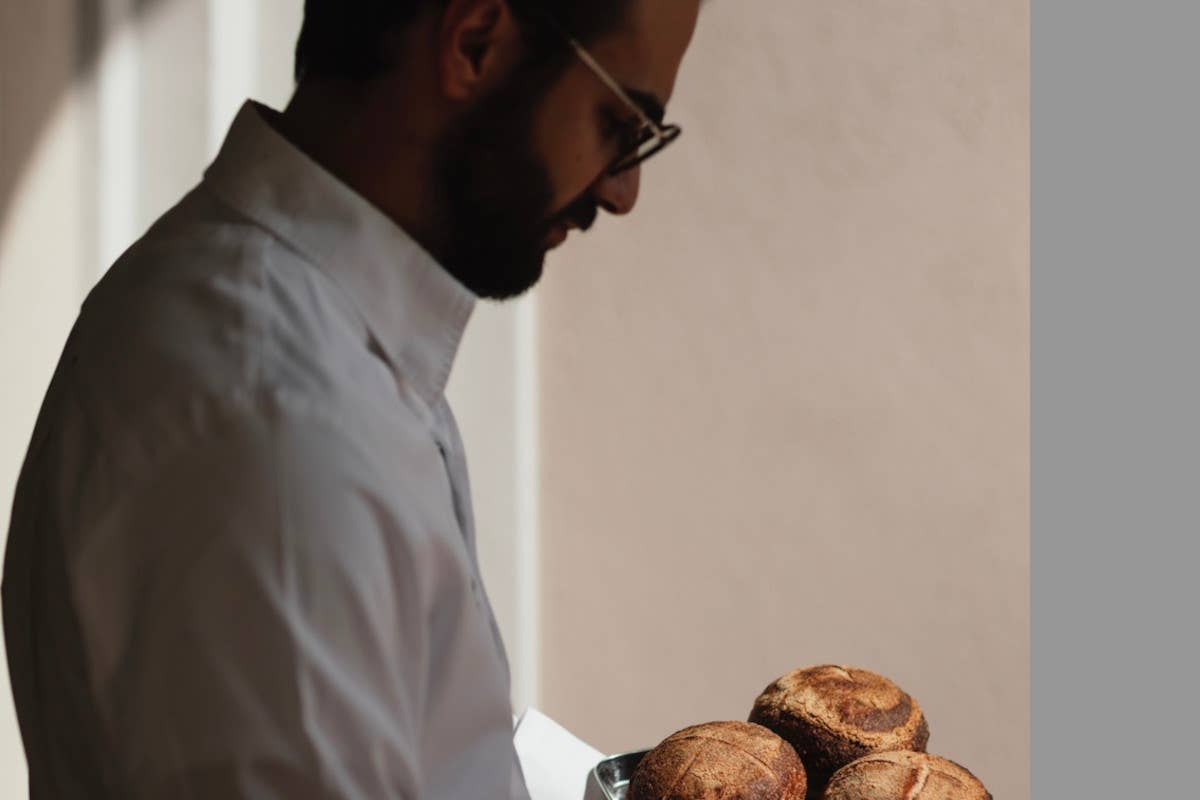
pixel 242 556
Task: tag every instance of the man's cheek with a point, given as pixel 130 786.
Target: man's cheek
pixel 569 159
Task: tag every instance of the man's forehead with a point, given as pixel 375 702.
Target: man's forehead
pixel 645 52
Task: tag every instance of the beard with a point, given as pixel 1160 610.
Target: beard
pixel 496 195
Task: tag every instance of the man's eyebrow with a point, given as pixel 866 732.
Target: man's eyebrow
pixel 651 105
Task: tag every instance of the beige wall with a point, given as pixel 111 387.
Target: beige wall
pixel 785 406
pixel 42 234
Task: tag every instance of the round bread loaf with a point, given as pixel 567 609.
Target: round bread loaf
pixel 904 775
pixel 720 761
pixel 833 715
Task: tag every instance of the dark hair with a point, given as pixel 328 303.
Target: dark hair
pixel 348 39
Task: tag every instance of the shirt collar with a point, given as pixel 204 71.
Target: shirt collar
pixel 416 310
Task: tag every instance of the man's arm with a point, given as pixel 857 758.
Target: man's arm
pixel 269 641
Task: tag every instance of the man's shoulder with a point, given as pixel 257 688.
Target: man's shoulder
pixel 209 312
pixel 209 302
pixel 203 277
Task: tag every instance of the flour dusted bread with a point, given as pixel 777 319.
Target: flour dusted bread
pixel 833 715
pixel 720 761
pixel 904 775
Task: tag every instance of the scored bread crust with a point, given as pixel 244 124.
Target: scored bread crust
pixel 720 761
pixel 905 775
pixel 833 715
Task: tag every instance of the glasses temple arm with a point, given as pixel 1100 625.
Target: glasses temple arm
pixel 608 81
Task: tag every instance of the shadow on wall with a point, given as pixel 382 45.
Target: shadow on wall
pixel 47 48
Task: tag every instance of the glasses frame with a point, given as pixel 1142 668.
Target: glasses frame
pixel 662 134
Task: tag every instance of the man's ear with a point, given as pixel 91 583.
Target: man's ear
pixel 478 43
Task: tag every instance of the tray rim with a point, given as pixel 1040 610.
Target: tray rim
pixel 595 773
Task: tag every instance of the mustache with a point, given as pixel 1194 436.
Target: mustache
pixel 582 212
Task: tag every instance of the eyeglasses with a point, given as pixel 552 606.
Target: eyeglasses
pixel 650 137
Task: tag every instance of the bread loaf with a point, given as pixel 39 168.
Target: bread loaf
pixel 833 715
pixel 904 775
pixel 720 761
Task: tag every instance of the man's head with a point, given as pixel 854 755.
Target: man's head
pixel 514 131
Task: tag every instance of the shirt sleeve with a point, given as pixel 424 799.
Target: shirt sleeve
pixel 256 620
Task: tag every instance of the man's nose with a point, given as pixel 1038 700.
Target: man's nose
pixel 618 194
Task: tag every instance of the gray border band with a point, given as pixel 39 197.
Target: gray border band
pixel 1116 399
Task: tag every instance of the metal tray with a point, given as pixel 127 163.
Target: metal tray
pixel 609 780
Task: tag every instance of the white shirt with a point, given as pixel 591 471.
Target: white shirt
pixel 242 555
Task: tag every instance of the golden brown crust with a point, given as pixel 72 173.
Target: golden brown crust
pixel 720 761
pixel 833 715
pixel 904 775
